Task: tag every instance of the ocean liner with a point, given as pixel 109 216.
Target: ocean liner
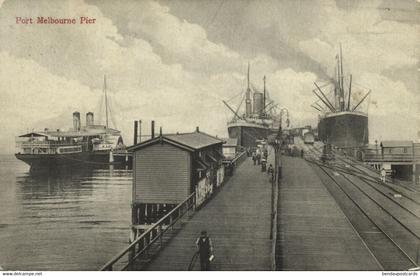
pixel 259 119
pixel 342 123
pixel 91 144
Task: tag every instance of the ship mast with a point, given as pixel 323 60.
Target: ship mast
pixel 341 98
pixel 348 101
pixel 248 97
pixel 263 111
pixel 339 104
pixel 106 102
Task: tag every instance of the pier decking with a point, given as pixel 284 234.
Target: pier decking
pixel 314 234
pixel 330 216
pixel 238 220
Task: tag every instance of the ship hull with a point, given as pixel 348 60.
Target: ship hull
pixel 344 130
pixel 40 161
pixel 247 135
pixel 51 161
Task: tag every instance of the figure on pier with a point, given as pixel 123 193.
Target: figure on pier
pixel 205 249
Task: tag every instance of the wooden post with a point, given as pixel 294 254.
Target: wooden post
pixel 134 216
pixel 139 135
pixel 160 236
pixel 135 132
pixel 414 166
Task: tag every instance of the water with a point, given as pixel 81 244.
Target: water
pixel 75 220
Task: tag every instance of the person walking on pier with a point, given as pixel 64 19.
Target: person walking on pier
pixel 270 172
pixel 205 250
pixel 383 175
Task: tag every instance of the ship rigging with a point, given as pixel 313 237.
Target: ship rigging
pixel 259 119
pixel 342 123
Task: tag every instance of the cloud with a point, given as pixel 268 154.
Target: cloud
pixel 379 38
pixel 30 93
pixel 160 66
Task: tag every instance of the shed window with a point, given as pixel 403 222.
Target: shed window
pixel 405 150
pixel 390 150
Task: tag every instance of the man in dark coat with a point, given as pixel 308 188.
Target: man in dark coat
pixel 205 249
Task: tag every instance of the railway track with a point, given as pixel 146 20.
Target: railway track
pixel 390 228
pixel 405 203
pixel 385 188
pixel 393 246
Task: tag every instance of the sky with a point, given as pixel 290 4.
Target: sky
pixel 175 61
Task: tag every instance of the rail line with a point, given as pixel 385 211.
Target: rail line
pixel 370 179
pixel 401 204
pixel 412 214
pixel 395 237
pixel 365 169
pixel 399 259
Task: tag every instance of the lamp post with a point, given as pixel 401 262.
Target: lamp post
pixel 279 142
pixel 277 167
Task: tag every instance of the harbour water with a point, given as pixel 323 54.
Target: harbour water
pixel 71 220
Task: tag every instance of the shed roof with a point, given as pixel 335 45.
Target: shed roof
pixel 196 140
pixel 190 141
pixel 397 143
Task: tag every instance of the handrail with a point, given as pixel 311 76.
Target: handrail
pixel 238 159
pixel 148 238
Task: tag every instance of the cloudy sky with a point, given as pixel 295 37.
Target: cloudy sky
pixel 174 61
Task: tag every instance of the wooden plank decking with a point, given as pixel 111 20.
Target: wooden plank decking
pixel 314 233
pixel 238 222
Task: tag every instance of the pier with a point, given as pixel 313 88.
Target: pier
pixel 333 215
pixel 238 222
pixel 314 233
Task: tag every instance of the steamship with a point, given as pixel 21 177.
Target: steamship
pixel 91 144
pixel 258 120
pixel 341 123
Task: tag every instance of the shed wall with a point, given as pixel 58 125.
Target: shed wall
pixel 162 174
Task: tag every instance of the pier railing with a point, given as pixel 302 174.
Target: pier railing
pixel 231 164
pixel 150 237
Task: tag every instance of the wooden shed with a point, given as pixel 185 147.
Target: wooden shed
pixel 168 168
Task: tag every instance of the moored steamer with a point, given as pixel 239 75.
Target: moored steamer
pixel 259 119
pixel 341 123
pixel 91 144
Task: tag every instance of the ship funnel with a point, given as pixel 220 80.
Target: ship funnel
pixel 76 121
pixel 89 119
pixel 258 103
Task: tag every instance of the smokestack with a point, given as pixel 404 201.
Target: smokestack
pixel 153 129
pixel 160 132
pixel 197 129
pixel 89 119
pixel 135 132
pixel 76 121
pixel 139 135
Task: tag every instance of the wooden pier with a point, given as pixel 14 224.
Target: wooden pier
pixel 238 222
pixel 329 216
pixel 314 234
